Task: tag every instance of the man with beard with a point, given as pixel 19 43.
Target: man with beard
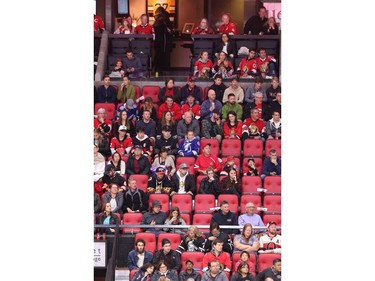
pixel 253 127
pixel 271 241
pixel 138 257
pixel 231 105
pixel 183 182
pixel 159 183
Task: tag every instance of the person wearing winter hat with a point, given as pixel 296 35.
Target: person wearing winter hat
pixel 154 217
pixel 168 255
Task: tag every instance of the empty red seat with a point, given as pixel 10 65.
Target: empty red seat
pixel 195 257
pixel 151 91
pixel 256 199
pixel 202 219
pixel 214 145
pixel 150 239
pixel 199 179
pixel 272 203
pixel 258 164
pixel 132 218
pixel 231 147
pixel 175 239
pixel 273 185
pixel 184 202
pixel 253 148
pixel 250 185
pixel 186 217
pixel 189 161
pixel 163 198
pixel 203 203
pixel 266 260
pixel 273 144
pixel 110 109
pixel 142 181
pixel 205 93
pixel 131 274
pixel 137 91
pixel 272 217
pixel 232 199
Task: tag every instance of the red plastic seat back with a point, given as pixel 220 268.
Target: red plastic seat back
pixel 250 184
pixel 186 217
pixel 272 203
pixel 110 109
pixel 195 257
pixel 266 260
pixel 253 148
pixel 150 239
pixel 189 161
pixel 256 199
pixel 273 144
pixel 272 217
pixel 214 145
pixel 183 201
pixel 273 185
pixel 198 182
pixel 163 198
pixel 142 181
pixel 232 199
pixel 151 91
pixel 202 219
pixel 175 239
pixel 231 147
pixel 132 218
pixel 203 203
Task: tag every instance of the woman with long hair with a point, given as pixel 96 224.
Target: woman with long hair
pixel 246 241
pixel 118 163
pixel 102 143
pixel 232 127
pixel 175 218
pixel 203 28
pixel 222 66
pixel 148 104
pixel 192 242
pixel 231 184
pixel 167 120
pixel 144 273
pixel 270 27
pixel 242 273
pixel 107 217
pixel 203 66
pixel 225 45
pixel 123 120
pixel 170 90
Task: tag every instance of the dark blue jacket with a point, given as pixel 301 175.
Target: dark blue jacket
pixel 196 92
pixel 133 259
pixel 269 167
pixel 228 219
pixel 106 95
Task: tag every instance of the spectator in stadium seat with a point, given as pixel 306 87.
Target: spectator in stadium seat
pixel 101 122
pixel 118 70
pixel 231 184
pixel 270 27
pixel 208 106
pixel 107 217
pixel 266 65
pixel 203 28
pixel 142 140
pixel 210 184
pixel 154 217
pixel 248 67
pixel 251 91
pixel 110 176
pixel 246 241
pixel 253 127
pixel 225 217
pixel 183 182
pixel 227 46
pixel 106 92
pixel 245 258
pixel 218 254
pixel 167 255
pixel 175 218
pixel 131 109
pixel 242 273
pixel 124 28
pixel 192 241
pixel 102 143
pixel 255 24
pixel 271 165
pixel 189 146
pixel 137 163
pixel 273 126
pixel 218 87
pixel 148 124
pixel 164 272
pixel 97 203
pixel 148 104
pixel 228 26
pixel 98 23
pixel 126 91
pixel 167 120
pixel 222 66
pixel 114 198
pixel 276 104
pixel 190 87
pixel 99 164
pixel 122 140
pixel 188 122
pixel 273 89
pixel 139 257
pixel 135 198
pixel 235 89
pixel 250 217
pixel 159 182
pixel 271 273
pixel 123 120
pixel 231 105
pixel 191 106
pixel 117 163
pixel 213 127
pixel 144 273
pixel 271 241
pixel 253 171
pixel 189 273
pixel 170 90
pixel 167 141
pixel 165 161
pixel 216 233
pixel 232 127
pixel 206 159
pixel 214 273
pixel 144 27
pixel 203 66
pixel 229 165
pixel 171 106
pixel 133 65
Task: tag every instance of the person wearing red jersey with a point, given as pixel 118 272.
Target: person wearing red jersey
pixel 206 160
pixel 265 112
pixel 144 27
pixel 124 28
pixel 202 67
pixel 228 26
pixel 171 106
pixel 102 123
pixel 232 127
pixel 271 241
pixel 121 141
pixel 203 28
pixel 253 127
pixel 98 23
pixel 266 65
pixel 219 255
pixel 190 105
pixel 248 66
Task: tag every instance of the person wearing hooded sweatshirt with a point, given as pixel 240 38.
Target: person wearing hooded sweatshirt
pixel 214 273
pixel 142 140
pixel 183 182
pixel 135 199
pixel 190 145
pixel 273 126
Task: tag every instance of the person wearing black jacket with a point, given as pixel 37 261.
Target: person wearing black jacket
pixel 135 199
pixel 217 233
pixel 137 163
pixel 107 217
pixel 242 273
pixel 169 90
pixel 210 184
pixel 218 87
pixel 183 182
pixel 168 255
pixel 255 24
pixel 168 141
pixel 225 217
pixel 230 50
pixel 273 272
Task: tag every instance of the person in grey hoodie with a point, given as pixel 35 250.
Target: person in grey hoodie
pixel 154 216
pixel 214 273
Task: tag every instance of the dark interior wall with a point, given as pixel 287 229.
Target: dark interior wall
pixel 189 11
pixel 100 8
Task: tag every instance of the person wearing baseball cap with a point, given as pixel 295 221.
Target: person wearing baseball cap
pixel 183 182
pixel 159 182
pixel 190 87
pixel 154 216
pixel 271 241
pixel 168 141
pixel 121 140
pixel 171 257
pixel 137 163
